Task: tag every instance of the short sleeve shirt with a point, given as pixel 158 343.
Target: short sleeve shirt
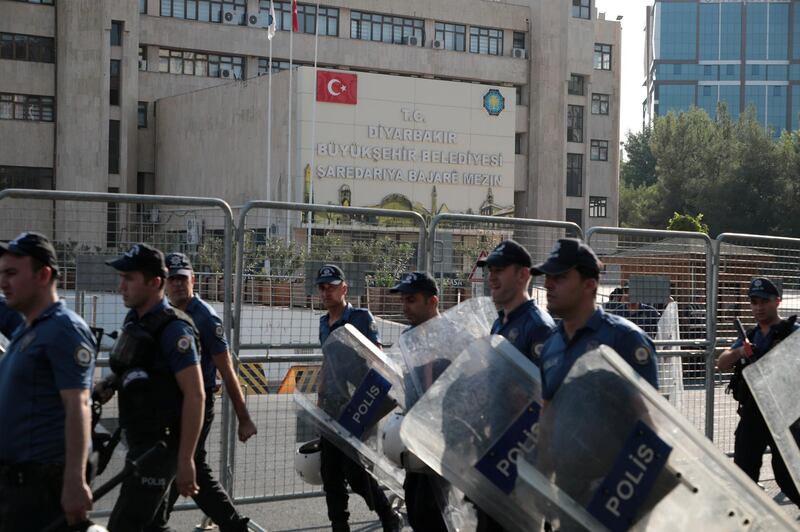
pixel 360 318
pixel 56 352
pixel 178 349
pixel 761 341
pixel 212 337
pixel 10 319
pixel 629 341
pixel 527 327
pixel 645 317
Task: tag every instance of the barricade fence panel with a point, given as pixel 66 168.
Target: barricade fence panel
pixel 660 281
pixel 278 311
pixel 741 258
pixel 89 229
pixel 458 241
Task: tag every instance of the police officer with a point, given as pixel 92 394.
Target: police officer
pixel 10 319
pixel 643 315
pixel 572 275
pixel 420 302
pixel 752 435
pixel 212 498
pixel 157 373
pixel 45 378
pixel 337 469
pixel 519 319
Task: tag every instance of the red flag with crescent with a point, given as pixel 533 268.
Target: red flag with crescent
pixel 295 21
pixel 337 87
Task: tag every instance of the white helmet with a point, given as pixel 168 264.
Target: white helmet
pixel 96 528
pixel 308 463
pixel 393 447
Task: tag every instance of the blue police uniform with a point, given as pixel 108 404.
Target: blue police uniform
pixel 212 338
pixel 645 317
pixel 527 327
pixel 54 353
pixel 177 341
pixel 360 318
pixel 629 341
pixel 10 319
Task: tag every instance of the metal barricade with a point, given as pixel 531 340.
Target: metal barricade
pixel 457 241
pixel 741 257
pixel 89 228
pixel 663 282
pixel 278 310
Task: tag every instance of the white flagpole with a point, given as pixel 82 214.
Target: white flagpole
pixel 270 36
pixel 313 130
pixel 289 140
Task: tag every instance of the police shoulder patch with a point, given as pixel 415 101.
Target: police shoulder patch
pixel 83 356
pixel 642 355
pixel 373 326
pixel 219 331
pixel 512 334
pixel 537 349
pixel 184 344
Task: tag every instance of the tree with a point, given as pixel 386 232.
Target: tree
pixel 639 169
pixel 687 222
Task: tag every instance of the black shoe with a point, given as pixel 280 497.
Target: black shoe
pixel 239 525
pixel 393 522
pixel 340 526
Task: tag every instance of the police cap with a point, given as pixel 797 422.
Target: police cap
pixel 141 258
pixel 178 264
pixel 763 288
pixel 568 253
pixel 330 274
pixel 506 253
pixel 35 245
pixel 415 282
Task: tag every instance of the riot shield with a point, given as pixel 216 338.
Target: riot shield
pixel 429 348
pixel 774 384
pixel 670 372
pixel 352 399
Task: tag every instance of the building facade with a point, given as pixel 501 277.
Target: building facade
pixel 742 53
pixel 82 82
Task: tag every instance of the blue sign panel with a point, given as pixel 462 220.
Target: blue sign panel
pixel 499 464
pixel 626 487
pixel 360 412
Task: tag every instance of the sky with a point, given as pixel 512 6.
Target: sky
pixel 633 23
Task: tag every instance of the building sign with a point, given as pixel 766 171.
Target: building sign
pixel 410 143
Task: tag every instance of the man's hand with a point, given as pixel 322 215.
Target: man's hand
pixel 76 500
pixel 247 429
pixel 747 348
pixel 104 389
pixel 185 479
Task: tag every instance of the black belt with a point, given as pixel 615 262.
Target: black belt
pixel 23 473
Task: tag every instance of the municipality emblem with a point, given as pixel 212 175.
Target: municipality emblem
pixel 494 102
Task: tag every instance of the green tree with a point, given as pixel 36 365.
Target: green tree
pixel 639 169
pixel 687 222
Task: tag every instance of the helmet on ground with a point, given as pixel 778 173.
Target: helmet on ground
pixel 307 462
pixel 393 447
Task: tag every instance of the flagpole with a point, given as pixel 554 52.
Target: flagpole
pixel 313 130
pixel 270 36
pixel 289 139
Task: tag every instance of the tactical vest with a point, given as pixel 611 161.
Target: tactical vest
pixel 737 385
pixel 149 398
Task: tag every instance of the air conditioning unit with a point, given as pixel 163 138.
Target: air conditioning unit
pixel 438 44
pixel 518 53
pixel 252 20
pixel 229 15
pixel 227 73
pixel 413 40
pixel 142 64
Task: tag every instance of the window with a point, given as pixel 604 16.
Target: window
pixel 26 107
pixel 602 56
pixel 574 123
pixel 385 28
pixel 204 10
pixel 328 17
pixel 598 207
pixel 112 221
pixel 143 58
pixel 576 84
pixel 599 150
pixel 518 92
pixel 46 2
pixel 113 89
pixel 113 146
pixel 518 40
pixel 141 118
pixel 517 143
pixel 27 48
pixel 485 41
pixel 145 183
pixel 116 33
pixel 200 64
pixel 26 177
pixel 452 36
pixel 600 104
pixel 575 174
pixel 581 9
pixel 142 7
pixel 277 65
pixel 575 216
pixel 345 196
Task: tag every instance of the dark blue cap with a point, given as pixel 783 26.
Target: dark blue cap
pixel 763 288
pixel 506 253
pixel 568 253
pixel 415 282
pixel 330 274
pixel 32 244
pixel 141 258
pixel 178 264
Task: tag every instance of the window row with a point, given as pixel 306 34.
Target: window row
pixel 386 28
pixel 26 177
pixel 204 10
pixel 27 48
pixel 45 2
pixel 598 205
pixel 200 64
pixel 306 17
pixel 27 107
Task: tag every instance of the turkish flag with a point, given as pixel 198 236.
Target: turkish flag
pixel 337 87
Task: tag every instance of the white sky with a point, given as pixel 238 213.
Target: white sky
pixel 633 23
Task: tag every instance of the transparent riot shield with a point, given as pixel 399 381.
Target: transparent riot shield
pixel 775 386
pixel 429 348
pixel 351 401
